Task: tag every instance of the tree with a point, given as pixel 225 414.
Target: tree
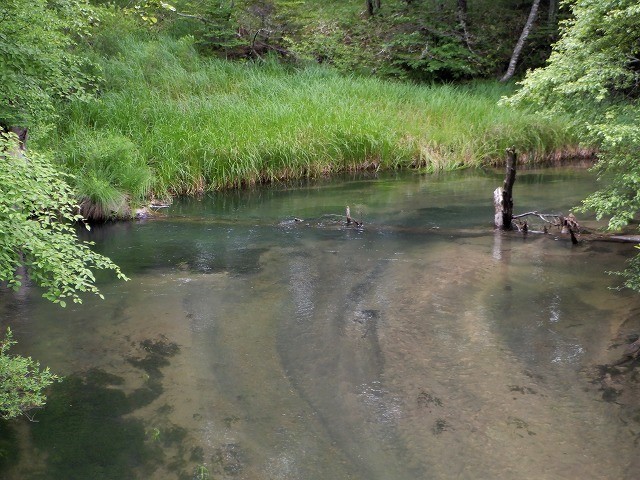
pixel 520 43
pixel 37 218
pixel 552 14
pixel 39 67
pixel 593 76
pixel 37 63
pixel 372 7
pixel 462 20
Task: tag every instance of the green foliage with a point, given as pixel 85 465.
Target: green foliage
pixel 631 274
pixel 226 28
pixel 419 40
pixel 424 42
pixel 618 133
pixel 329 42
pixel 201 472
pixel 191 124
pixel 429 57
pixel 593 75
pixel 212 23
pixel 37 225
pixel 22 383
pixel 38 64
pixel 593 64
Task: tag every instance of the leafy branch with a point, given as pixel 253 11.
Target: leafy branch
pixel 37 229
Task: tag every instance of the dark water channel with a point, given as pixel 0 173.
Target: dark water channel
pixel 248 345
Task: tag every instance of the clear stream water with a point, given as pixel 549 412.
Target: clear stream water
pixel 423 346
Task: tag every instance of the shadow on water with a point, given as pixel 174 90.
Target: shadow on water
pixel 9 449
pixel 86 430
pixel 83 433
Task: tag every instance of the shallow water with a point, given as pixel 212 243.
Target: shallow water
pixel 249 345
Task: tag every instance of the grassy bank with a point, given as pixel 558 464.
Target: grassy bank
pixel 169 122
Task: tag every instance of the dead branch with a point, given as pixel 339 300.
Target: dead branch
pixel 567 223
pixel 351 220
pixel 538 214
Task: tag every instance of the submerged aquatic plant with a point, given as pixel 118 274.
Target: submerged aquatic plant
pixel 201 472
pixel 154 434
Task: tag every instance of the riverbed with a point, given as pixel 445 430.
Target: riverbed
pixel 260 337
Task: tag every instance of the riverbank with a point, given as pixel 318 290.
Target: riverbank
pixel 168 122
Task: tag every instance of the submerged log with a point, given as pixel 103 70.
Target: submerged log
pixel 503 196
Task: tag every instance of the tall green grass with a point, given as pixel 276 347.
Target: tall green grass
pixel 170 122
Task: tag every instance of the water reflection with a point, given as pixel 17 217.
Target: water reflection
pixel 424 345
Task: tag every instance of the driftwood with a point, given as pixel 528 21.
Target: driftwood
pixel 568 224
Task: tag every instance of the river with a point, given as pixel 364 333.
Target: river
pixel 261 338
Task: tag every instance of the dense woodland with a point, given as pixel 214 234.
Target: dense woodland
pixel 141 101
pixel 420 40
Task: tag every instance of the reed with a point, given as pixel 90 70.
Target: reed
pixel 170 122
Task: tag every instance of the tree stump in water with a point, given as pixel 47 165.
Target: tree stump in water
pixel 503 196
pixel 351 220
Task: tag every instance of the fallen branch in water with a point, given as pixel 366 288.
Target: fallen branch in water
pixel 351 220
pixel 559 220
pixel 538 214
pixel 568 224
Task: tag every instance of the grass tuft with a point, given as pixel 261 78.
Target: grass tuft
pixel 170 122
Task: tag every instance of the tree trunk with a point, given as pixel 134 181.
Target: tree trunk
pixel 523 37
pixel 370 7
pixel 503 196
pixel 21 132
pixel 462 20
pixel 553 12
pixel 23 135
